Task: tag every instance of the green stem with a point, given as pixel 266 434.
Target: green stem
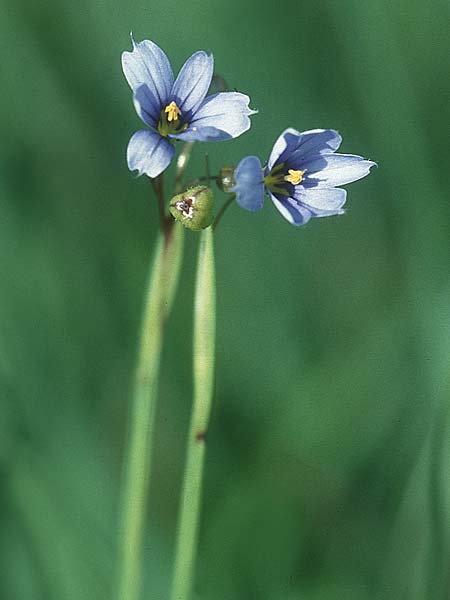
pixel 203 369
pixel 161 288
pixel 222 211
pixel 182 162
pixel 158 188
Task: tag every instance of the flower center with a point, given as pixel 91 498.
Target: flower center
pixel 294 177
pixel 170 121
pixel 186 206
pixel 276 179
pixel 173 112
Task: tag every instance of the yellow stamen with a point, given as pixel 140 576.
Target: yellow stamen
pixel 294 177
pixel 173 112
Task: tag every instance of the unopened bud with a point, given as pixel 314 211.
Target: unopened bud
pixel 225 181
pixel 193 208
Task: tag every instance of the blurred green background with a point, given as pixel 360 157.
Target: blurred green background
pixel 328 461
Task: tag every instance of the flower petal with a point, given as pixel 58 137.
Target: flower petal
pixel 294 146
pixel 291 209
pixel 337 169
pixel 249 188
pixel 220 117
pixel 193 81
pixel 321 201
pixel 147 65
pixel 149 153
pixel 146 106
pixel 285 144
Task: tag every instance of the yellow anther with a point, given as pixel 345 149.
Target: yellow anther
pixel 294 177
pixel 173 112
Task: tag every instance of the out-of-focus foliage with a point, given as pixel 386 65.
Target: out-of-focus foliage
pixel 327 473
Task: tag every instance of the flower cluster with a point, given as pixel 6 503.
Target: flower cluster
pixel 303 171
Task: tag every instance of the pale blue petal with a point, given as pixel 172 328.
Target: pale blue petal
pixel 149 153
pixel 336 169
pixel 320 201
pixel 219 117
pixel 285 142
pixel 147 65
pixel 203 134
pixel 293 145
pixel 193 81
pixel 249 188
pixel 292 210
pixel 147 106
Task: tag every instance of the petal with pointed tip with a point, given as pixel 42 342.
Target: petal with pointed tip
pixel 193 81
pixel 219 117
pixel 147 65
pixel 337 169
pixel 293 146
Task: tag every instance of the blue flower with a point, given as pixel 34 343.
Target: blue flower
pixel 177 108
pixel 301 176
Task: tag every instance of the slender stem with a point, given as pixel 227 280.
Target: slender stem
pixel 161 289
pixel 158 188
pixel 164 274
pixel 197 180
pixel 222 211
pixel 207 166
pixel 182 161
pixel 438 574
pixel 203 370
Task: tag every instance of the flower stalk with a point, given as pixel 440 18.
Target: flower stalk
pixel 163 279
pixel 221 212
pixel 203 372
pixel 182 161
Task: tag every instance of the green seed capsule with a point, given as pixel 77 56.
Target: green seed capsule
pixel 193 208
